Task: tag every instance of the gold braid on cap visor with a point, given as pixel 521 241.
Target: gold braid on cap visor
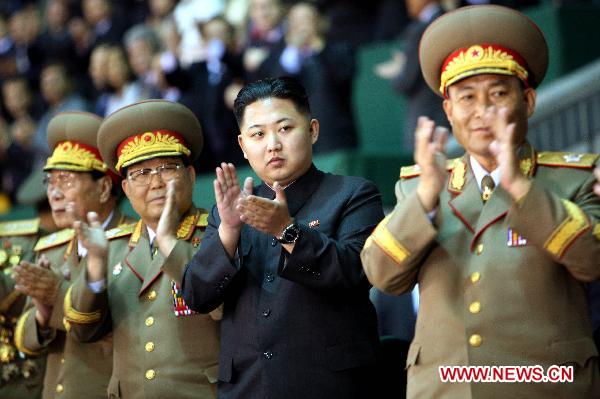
pixel 78 157
pixel 162 143
pixel 480 59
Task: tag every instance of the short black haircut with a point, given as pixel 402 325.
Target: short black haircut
pixel 284 88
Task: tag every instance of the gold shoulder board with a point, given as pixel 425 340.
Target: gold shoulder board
pixel 54 239
pixel 19 227
pixel 407 172
pixel 121 231
pixel 567 159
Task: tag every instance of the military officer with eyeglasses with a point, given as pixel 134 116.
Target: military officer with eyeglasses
pixel 77 181
pixel 161 347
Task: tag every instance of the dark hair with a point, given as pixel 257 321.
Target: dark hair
pixel 285 88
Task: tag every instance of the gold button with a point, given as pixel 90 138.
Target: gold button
pixel 475 276
pixel 150 374
pixel 475 307
pixel 149 346
pixel 152 295
pixel 59 388
pixel 479 249
pixel 62 360
pixel 475 340
pixel 149 321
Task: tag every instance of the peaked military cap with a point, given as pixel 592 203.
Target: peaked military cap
pixel 482 39
pixel 149 129
pixel 72 138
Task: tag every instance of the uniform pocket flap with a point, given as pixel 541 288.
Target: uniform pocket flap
pixel 212 373
pixel 577 350
pixel 355 354
pixel 413 354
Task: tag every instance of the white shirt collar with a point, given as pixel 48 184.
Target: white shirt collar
pixel 81 250
pixel 151 234
pixel 480 173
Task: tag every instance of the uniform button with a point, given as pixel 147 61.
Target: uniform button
pixel 479 249
pixel 149 321
pixel 150 374
pixel 274 242
pixel 62 360
pixel 149 346
pixel 475 276
pixel 152 295
pixel 475 307
pixel 270 278
pixel 268 354
pixel 60 388
pixel 475 340
pixel 266 312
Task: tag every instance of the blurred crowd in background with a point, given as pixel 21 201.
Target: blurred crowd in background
pixel 101 55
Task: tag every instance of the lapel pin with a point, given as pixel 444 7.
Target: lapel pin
pixel 313 224
pixel 117 269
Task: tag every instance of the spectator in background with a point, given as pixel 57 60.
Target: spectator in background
pixel 16 159
pixel 105 25
pixel 24 26
pixel 18 100
pixel 98 73
pixel 141 44
pixel 124 90
pixel 265 31
pixel 326 70
pixel 58 94
pixel 404 71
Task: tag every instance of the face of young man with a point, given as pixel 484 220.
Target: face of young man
pixel 469 99
pixel 87 195
pixel 277 140
pixel 148 194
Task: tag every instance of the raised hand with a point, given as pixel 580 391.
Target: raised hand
pixel 93 238
pixel 166 231
pixel 267 216
pixel 504 149
pixel 227 194
pixel 430 156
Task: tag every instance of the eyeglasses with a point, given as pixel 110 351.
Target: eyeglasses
pixel 60 178
pixel 143 177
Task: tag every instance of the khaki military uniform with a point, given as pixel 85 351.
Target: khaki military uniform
pixel 21 376
pixel 500 282
pixel 161 348
pixel 74 370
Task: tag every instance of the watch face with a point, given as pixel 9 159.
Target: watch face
pixel 290 234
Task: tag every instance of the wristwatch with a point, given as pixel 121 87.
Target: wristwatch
pixel 290 234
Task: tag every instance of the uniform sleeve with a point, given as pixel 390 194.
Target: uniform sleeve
pixel 58 314
pixel 566 228
pixel 209 273
pixel 395 250
pixel 86 313
pixel 326 262
pixel 174 264
pixel 28 339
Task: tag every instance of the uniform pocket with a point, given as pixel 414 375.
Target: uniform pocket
pixel 413 355
pixel 347 356
pixel 577 351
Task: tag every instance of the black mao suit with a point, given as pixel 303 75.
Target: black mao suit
pixel 300 325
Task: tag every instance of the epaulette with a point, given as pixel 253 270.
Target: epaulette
pixel 120 231
pixel 54 239
pixel 567 159
pixel 407 172
pixel 19 227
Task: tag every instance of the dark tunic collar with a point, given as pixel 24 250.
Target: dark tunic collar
pixel 298 192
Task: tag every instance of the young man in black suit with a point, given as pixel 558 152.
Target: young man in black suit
pixel 283 258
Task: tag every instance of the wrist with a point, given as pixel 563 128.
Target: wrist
pixel 427 198
pixel 519 188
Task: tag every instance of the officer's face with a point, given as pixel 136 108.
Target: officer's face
pixel 79 188
pixel 277 140
pixel 468 101
pixel 148 199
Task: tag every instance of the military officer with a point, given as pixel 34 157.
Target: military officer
pixel 77 182
pixel 161 347
pixel 502 245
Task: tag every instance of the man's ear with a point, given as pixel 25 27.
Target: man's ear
pixel 106 184
pixel 192 173
pixel 314 130
pixel 447 104
pixel 241 144
pixel 530 98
